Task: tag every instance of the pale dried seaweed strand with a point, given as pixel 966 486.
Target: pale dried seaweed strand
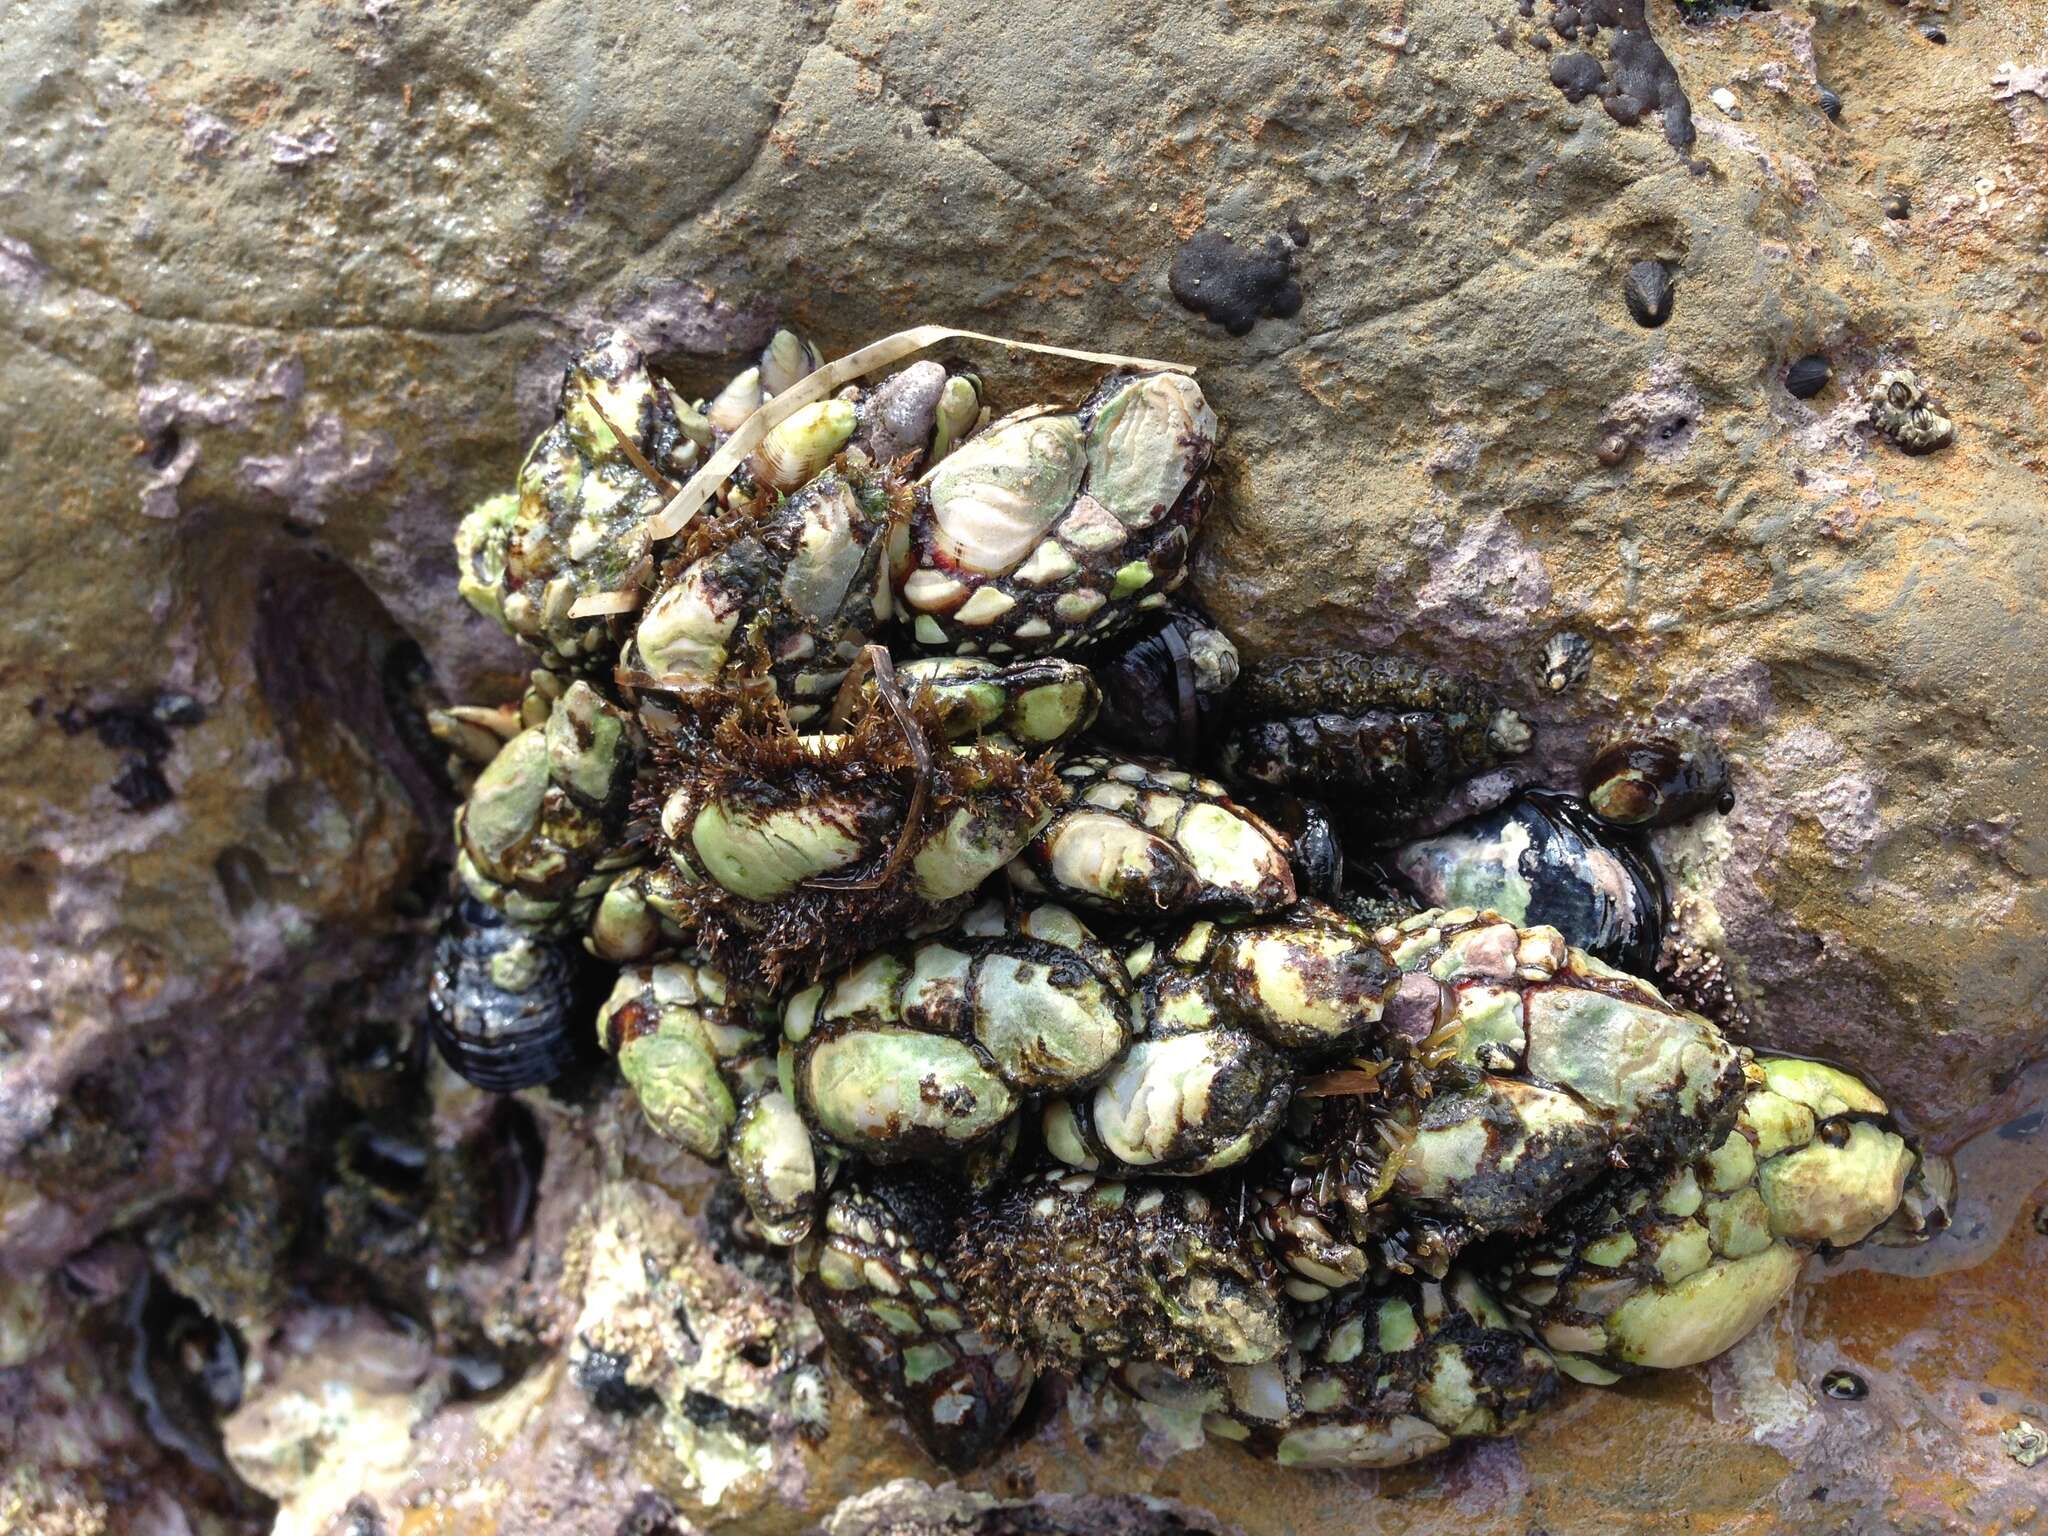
pixel 703 485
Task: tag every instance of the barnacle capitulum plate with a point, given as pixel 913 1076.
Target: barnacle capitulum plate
pixel 924 1049
pixel 1144 838
pixel 1671 1269
pixel 1230 1013
pixel 573 526
pixel 1572 1064
pixel 1054 529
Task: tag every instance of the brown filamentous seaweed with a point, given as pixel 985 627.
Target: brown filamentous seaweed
pixel 742 749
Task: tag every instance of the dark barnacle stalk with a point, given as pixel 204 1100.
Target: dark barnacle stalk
pixel 880 1276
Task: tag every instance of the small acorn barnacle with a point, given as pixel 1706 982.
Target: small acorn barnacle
pixel 1901 409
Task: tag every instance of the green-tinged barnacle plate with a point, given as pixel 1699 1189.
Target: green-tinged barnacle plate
pixel 894 1093
pixel 1705 1313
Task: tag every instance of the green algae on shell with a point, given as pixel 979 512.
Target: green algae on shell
pixel 926 1048
pixel 793 852
pixel 1669 1264
pixel 1229 1011
pixel 692 1045
pixel 1053 529
pixel 1147 840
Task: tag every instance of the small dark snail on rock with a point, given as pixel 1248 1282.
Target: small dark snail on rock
pixel 1647 289
pixel 1808 377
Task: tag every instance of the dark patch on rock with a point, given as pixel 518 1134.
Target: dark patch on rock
pixel 602 1376
pixel 137 731
pixel 141 786
pixel 706 1411
pixel 1707 10
pixel 2025 1126
pixel 1578 75
pixel 1235 286
pixel 1635 78
pixel 121 727
pixel 651 1515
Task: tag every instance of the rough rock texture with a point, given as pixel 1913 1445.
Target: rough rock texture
pixel 285 288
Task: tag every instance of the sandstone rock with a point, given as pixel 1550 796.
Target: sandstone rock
pixel 285 291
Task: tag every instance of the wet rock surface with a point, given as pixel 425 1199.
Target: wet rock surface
pixel 283 300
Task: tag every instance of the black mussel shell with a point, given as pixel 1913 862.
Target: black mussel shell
pixel 1544 858
pixel 1655 781
pixel 1846 1386
pixel 1809 376
pixel 184 1373
pixel 1647 288
pixel 1831 103
pixel 1162 693
pixel 503 1040
pixel 1313 849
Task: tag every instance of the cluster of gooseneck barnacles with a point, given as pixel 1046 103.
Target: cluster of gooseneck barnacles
pixel 867 742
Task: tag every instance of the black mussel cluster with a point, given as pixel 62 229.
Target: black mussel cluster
pixel 1343 750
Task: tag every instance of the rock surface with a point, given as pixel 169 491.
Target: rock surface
pixel 284 290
